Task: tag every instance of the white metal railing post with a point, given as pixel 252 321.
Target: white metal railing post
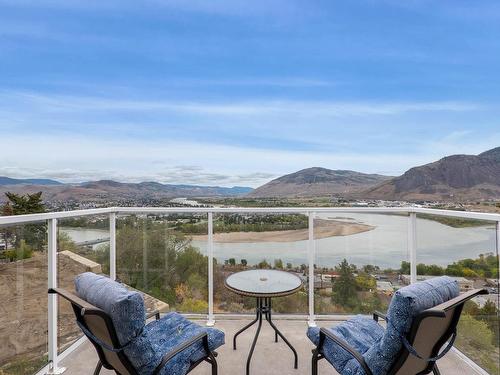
pixel 112 246
pixel 211 317
pixel 311 252
pixel 412 245
pixel 497 248
pixel 52 298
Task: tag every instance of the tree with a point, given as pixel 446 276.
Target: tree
pixel 365 282
pixel 7 233
pixel 263 264
pixel 244 262
pixel 278 264
pixel 369 268
pixel 344 287
pixel 232 262
pixel 23 252
pixel 405 268
pixel 26 204
pixel 157 261
pixel 33 234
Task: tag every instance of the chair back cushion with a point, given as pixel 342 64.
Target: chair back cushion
pixel 125 308
pixel 407 303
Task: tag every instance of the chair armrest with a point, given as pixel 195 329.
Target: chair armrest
pixel 168 356
pixel 155 313
pixel 73 299
pixel 344 345
pixel 378 314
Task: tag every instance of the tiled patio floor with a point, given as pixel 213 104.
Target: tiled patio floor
pixel 269 358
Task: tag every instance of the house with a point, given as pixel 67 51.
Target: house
pixel 385 287
pixel 465 284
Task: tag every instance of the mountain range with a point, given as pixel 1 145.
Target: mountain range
pixel 455 177
pixel 111 190
pixel 27 181
pixel 316 181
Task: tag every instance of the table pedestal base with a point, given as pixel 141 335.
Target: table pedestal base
pixel 263 310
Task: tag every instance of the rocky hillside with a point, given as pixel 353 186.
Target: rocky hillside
pixel 457 177
pixel 312 182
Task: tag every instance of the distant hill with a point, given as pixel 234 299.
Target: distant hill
pixel 456 177
pixel 112 190
pixel 317 181
pixel 493 154
pixel 27 181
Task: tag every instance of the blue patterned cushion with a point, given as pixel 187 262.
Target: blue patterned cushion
pixel 381 347
pixel 161 336
pixel 126 308
pixel 360 332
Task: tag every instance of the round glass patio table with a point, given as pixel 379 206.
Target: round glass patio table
pixel 263 285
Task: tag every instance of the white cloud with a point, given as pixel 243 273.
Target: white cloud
pixel 76 138
pixel 75 159
pixel 66 103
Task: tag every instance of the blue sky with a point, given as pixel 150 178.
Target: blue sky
pixel 233 92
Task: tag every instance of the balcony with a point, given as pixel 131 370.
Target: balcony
pixel 233 362
pixel 179 257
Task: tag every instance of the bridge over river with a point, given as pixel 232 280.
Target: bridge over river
pixel 93 242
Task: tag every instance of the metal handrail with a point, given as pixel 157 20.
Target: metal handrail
pixel 30 218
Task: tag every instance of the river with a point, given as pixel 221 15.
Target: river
pixel 385 246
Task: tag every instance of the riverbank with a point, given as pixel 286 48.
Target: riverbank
pixel 322 229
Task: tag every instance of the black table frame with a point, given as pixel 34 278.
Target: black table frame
pixel 263 309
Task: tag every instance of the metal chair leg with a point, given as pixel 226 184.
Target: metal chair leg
pixel 214 366
pixel 314 363
pixel 98 368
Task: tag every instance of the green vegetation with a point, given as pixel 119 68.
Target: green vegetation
pixel 242 223
pixel 344 288
pixel 161 262
pixel 455 222
pixel 486 266
pixel 24 366
pixel 85 222
pixel 271 202
pixel 33 234
pixel 22 252
pixel 355 294
pixel 478 335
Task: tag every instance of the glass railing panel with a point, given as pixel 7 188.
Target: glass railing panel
pixel 165 257
pixel 23 292
pixel 252 241
pixel 467 251
pixel 82 246
pixel 359 260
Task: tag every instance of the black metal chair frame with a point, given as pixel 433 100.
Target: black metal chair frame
pixel 82 308
pixel 404 353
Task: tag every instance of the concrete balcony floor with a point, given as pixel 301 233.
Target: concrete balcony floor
pixel 269 358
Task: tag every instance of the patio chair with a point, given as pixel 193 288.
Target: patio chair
pixel 114 320
pixel 421 319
